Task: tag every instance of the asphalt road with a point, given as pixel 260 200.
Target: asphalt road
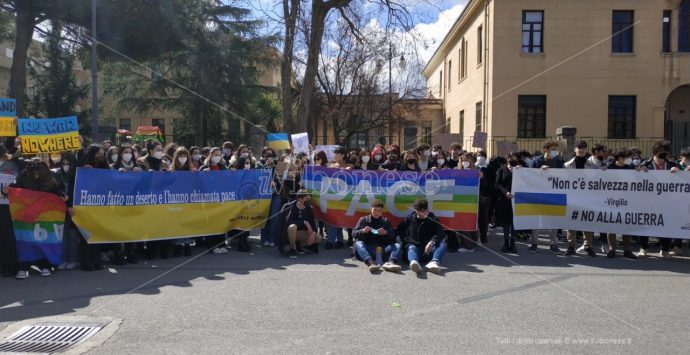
pixel 262 303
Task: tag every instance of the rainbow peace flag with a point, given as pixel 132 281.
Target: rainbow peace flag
pixel 540 204
pixel 341 197
pixel 278 141
pixel 38 219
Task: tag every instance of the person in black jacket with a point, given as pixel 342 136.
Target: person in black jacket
pixel 623 161
pixel 504 208
pixel 375 231
pixel 423 236
pixel 301 227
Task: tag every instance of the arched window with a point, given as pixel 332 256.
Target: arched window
pixel 684 26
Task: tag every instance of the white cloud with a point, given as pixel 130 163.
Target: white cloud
pixel 433 33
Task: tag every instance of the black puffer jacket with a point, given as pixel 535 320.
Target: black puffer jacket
pixel 419 232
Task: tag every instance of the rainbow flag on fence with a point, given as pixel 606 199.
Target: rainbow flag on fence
pixel 341 197
pixel 278 141
pixel 540 204
pixel 38 219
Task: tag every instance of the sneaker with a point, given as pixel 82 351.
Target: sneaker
pixel 554 249
pixel 293 254
pixel 463 250
pixel 591 252
pixel 415 267
pixel 217 251
pixel 391 267
pixel 374 268
pixel 45 272
pixel 433 267
pixel 532 249
pixel 484 240
pixel 581 249
pixel 570 251
pixel 612 254
pixel 71 266
pixel 628 254
pixel 22 274
pixel 642 253
pixel 62 266
pixel 604 248
pixel 676 251
pixel 664 254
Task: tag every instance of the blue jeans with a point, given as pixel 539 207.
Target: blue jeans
pixel 269 231
pixel 390 252
pixel 413 253
pixel 509 232
pixel 334 234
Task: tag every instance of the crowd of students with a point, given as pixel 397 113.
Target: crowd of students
pixel 291 227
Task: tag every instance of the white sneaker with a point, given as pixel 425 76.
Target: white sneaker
pixel 71 266
pixel 217 251
pixel 465 251
pixel 580 250
pixel 223 250
pixel 415 267
pixel 45 272
pixel 391 267
pixel 664 254
pixel 62 266
pixel 22 274
pixel 374 268
pixel 604 248
pixel 433 267
pixel 642 253
pixel 676 251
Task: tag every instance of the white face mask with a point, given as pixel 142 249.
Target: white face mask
pixel 126 157
pixel 244 155
pixel 365 159
pixel 182 160
pixel 287 160
pixel 378 157
pixel 628 161
pixel 427 153
pixel 196 157
pixel 434 153
pixel 636 161
pixel 158 155
pixel 465 164
pixel 65 168
pixel 227 152
pixel 113 157
pixel 440 162
pixel 553 153
pixel 215 160
pixel 481 160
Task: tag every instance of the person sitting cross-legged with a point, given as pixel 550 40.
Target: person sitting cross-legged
pixel 423 236
pixel 375 231
pixel 301 227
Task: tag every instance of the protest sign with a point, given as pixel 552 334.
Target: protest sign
pixel 8 107
pixel 113 207
pixel 38 219
pixel 51 135
pixel 328 149
pixel 8 113
pixel 300 143
pixel 341 197
pixel 50 144
pixel 479 140
pixel 629 202
pixel 503 148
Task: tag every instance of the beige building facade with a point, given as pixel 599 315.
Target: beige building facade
pixel 617 70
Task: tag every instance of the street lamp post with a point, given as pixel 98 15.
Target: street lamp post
pixel 390 87
pixel 94 76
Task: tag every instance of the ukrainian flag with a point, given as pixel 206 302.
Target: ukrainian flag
pixel 278 141
pixel 540 204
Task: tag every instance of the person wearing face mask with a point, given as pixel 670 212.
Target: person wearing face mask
pixel 378 157
pixel 597 158
pixel 8 245
pixel 455 151
pixel 504 207
pixel 299 228
pixel 54 161
pixel 65 175
pixel 424 161
pixel 622 161
pixel 550 159
pixel 465 241
pixel 582 160
pixel 365 162
pixel 112 155
pixel 392 162
pixel 243 151
pixel 181 162
pixel 153 160
pixel 89 254
pixel 228 149
pixel 410 163
pixel 244 162
pixel 268 158
pixel 197 159
pixel 440 163
pixel 334 235
pixel 374 231
pixel 434 151
pixel 125 161
pixel 684 163
pixel 216 244
pixel 659 162
pixel 487 181
pixel 423 238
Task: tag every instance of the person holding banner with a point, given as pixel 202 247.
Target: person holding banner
pixel 487 181
pixel 581 161
pixel 456 152
pixel 423 237
pixel 364 161
pixel 152 161
pixel 243 151
pixel 376 232
pixel 335 234
pixel 228 148
pixel 623 161
pixel 410 162
pixel 216 244
pixel 37 177
pixel 197 159
pixel 504 207
pixel 550 159
pixel 8 245
pixel 440 163
pixel 658 162
pixel 378 156
pixel 424 154
pixel 182 162
pixel 65 175
pixel 125 159
pixel 391 163
pixel 112 155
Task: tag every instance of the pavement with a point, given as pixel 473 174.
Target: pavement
pixel 263 303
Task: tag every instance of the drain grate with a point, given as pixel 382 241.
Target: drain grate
pixel 49 337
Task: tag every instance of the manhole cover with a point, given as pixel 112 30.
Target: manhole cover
pixel 47 338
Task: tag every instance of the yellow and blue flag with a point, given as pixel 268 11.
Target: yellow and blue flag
pixel 278 141
pixel 540 204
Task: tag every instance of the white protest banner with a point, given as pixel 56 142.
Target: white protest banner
pixel 629 202
pixel 300 143
pixel 328 149
pixel 5 180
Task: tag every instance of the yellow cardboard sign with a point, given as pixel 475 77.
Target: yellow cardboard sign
pixel 8 127
pixel 51 143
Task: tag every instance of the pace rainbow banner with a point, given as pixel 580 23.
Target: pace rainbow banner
pixel 341 197
pixel 38 219
pixel 113 207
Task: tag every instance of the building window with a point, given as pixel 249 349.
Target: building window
pixel 160 122
pixel 622 116
pixel 622 31
pixel 480 44
pixel 478 117
pixel 447 130
pixel 440 84
pixel 531 116
pixel 450 74
pixel 684 26
pixel 462 124
pixel 358 140
pixel 426 132
pixel 666 24
pixel 126 123
pixel 533 31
